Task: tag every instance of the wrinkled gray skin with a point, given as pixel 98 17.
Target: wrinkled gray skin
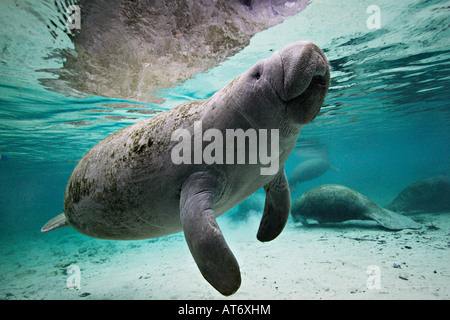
pixel 126 187
pixel 428 195
pixel 336 203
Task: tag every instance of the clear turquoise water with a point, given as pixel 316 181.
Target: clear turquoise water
pixel 385 120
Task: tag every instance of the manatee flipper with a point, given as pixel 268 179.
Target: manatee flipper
pixel 302 219
pixel 391 220
pixel 276 208
pixel 57 222
pixel 203 236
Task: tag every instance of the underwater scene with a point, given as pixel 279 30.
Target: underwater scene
pixel 98 101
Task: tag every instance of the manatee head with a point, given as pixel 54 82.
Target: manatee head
pixel 294 80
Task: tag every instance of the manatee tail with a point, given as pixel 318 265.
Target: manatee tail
pixel 392 220
pixel 57 222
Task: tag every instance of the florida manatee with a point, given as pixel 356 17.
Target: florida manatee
pixel 308 170
pixel 428 195
pixel 337 203
pixel 128 186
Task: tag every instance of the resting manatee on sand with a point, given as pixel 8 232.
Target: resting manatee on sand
pixel 128 186
pixel 428 195
pixel 336 203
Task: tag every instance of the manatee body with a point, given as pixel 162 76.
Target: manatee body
pixel 128 187
pixel 428 195
pixel 336 203
pixel 308 170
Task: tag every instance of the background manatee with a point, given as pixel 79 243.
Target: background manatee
pixel 336 203
pixel 315 165
pixel 252 205
pixel 428 195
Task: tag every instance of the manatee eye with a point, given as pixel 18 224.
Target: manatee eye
pixel 257 71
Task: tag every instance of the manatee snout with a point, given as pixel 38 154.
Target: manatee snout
pixel 306 78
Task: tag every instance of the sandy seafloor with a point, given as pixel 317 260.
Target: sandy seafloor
pixel 318 262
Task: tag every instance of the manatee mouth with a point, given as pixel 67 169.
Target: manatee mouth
pixel 306 78
pixel 305 107
pixel 319 81
pixel 302 81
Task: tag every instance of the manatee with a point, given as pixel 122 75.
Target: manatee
pixel 128 186
pixel 337 203
pixel 316 163
pixel 251 205
pixel 308 170
pixel 428 195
